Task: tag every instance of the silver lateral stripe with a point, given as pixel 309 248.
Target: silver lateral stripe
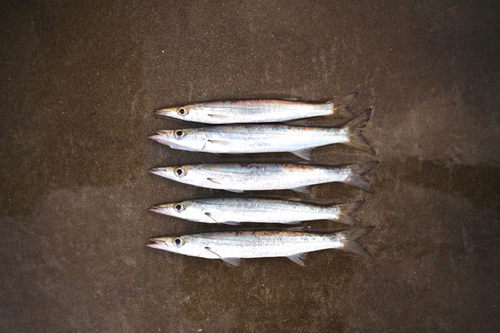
pixel 234 245
pixel 258 111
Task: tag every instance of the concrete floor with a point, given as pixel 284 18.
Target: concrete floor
pixel 79 86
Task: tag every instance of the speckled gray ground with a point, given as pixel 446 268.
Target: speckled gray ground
pixel 80 82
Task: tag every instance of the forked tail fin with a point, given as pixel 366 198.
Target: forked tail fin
pixel 350 240
pixel 355 128
pixel 356 175
pixel 340 106
pixel 345 211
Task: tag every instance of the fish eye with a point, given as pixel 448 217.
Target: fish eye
pixel 179 134
pixel 179 207
pixel 183 111
pixel 178 242
pixel 180 172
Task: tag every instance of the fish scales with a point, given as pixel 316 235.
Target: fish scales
pixel 264 243
pixel 234 210
pixel 234 245
pixel 257 111
pixel 238 139
pixel 265 176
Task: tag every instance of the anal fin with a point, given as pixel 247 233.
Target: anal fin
pixel 302 189
pixel 233 261
pixel 298 257
pixel 304 153
pixel 231 223
pixel 234 190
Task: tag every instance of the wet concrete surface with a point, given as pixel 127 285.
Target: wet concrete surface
pixel 79 86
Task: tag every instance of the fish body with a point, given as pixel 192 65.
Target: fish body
pixel 235 210
pixel 239 139
pixel 232 246
pixel 257 111
pixel 265 176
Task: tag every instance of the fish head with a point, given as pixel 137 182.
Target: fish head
pixel 187 112
pixel 188 210
pixel 186 174
pixel 179 244
pixel 184 139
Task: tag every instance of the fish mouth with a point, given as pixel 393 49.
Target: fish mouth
pixel 157 209
pixel 157 171
pixel 154 243
pixel 160 136
pixel 155 135
pixel 166 112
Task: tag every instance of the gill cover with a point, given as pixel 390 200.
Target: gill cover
pixel 191 140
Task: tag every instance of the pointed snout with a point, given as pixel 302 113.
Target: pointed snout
pixel 155 243
pixel 155 135
pixel 157 171
pixel 161 136
pixel 166 112
pixel 157 209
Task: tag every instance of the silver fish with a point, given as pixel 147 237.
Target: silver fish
pixel 234 210
pixel 257 111
pixel 238 139
pixel 232 246
pixel 236 177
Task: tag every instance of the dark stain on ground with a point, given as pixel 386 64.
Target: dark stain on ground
pixel 478 183
pixel 74 96
pixel 262 287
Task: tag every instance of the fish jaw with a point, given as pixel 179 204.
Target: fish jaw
pixel 166 209
pixel 158 243
pixel 187 174
pixel 162 136
pixel 183 139
pixel 171 113
pixel 165 172
pixel 185 245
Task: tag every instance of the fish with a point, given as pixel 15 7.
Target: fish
pixel 257 111
pixel 235 210
pixel 236 177
pixel 266 138
pixel 232 246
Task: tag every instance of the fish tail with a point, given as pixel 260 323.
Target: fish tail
pixel 340 105
pixel 355 128
pixel 345 211
pixel 350 241
pixel 356 175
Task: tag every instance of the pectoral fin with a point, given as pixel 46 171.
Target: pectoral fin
pixel 210 216
pixel 213 180
pixel 210 250
pixel 297 258
pixel 219 142
pixel 217 116
pixel 230 261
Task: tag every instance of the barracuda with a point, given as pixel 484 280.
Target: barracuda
pixel 241 139
pixel 257 111
pixel 265 176
pixel 234 210
pixel 232 246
